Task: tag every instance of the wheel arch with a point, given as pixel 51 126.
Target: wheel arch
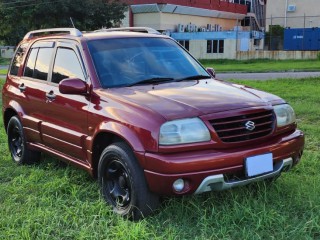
pixel 8 114
pixel 108 134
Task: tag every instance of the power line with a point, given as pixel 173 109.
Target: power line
pixel 33 4
pixel 8 3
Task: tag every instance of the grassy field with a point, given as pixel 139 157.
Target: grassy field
pixel 262 65
pixel 54 201
pixel 3 71
pixel 4 61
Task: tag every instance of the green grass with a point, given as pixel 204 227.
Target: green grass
pixel 3 71
pixel 262 65
pixel 54 201
pixel 4 61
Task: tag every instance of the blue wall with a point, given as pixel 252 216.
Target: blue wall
pixel 302 39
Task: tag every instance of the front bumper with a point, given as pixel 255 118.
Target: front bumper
pixel 218 183
pixel 208 170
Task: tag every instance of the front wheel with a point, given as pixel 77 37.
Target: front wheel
pixel 17 144
pixel 123 184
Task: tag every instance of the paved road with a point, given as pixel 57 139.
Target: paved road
pixel 266 76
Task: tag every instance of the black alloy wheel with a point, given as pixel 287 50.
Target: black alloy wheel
pixel 118 184
pixel 17 144
pixel 123 184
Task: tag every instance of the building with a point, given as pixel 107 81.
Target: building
pixel 6 51
pixel 209 29
pixel 301 23
pixel 293 13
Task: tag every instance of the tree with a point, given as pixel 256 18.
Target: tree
pixel 21 16
pixel 274 38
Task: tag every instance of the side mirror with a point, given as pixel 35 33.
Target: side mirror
pixel 212 72
pixel 73 86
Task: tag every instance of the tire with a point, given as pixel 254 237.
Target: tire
pixel 123 184
pixel 17 144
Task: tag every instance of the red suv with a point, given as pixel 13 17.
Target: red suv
pixel 137 111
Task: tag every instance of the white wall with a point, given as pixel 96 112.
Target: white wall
pixel 126 21
pixel 277 55
pixel 198 48
pixel 6 52
pixel 277 8
pixel 165 21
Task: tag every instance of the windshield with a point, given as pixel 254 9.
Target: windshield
pixel 128 61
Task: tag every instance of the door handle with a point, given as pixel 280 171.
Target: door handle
pixel 22 87
pixel 50 96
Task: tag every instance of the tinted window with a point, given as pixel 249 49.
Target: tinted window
pixel 209 46
pixel 17 60
pixel 221 46
pixel 29 70
pixel 185 44
pixel 66 65
pixel 123 62
pixel 215 46
pixel 42 64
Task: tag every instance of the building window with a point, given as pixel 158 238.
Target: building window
pixel 215 46
pixel 245 22
pixel 184 43
pixel 256 42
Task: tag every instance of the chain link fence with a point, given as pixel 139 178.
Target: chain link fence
pixel 303 30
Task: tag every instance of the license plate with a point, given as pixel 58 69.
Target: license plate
pixel 259 164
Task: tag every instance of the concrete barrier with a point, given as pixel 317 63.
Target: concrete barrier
pixel 277 55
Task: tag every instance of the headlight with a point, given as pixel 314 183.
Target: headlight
pixel 182 131
pixel 285 115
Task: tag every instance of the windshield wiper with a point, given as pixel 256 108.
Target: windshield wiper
pixel 195 77
pixel 152 80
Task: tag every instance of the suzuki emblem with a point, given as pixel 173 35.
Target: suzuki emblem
pixel 250 126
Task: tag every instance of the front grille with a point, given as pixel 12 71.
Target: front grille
pixel 233 129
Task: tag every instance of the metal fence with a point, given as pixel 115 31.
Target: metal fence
pixel 276 37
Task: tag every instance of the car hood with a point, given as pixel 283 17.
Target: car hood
pixel 192 98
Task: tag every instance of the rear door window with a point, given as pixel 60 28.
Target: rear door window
pixel 42 63
pixel 29 69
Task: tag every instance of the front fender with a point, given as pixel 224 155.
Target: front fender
pixel 123 132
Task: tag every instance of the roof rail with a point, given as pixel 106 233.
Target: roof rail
pixel 130 29
pixel 72 31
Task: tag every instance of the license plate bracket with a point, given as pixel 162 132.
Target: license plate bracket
pixel 259 164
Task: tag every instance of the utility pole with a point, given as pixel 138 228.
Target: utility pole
pixel 285 14
pixel 270 33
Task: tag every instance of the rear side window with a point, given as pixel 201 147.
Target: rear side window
pixel 66 65
pixel 17 59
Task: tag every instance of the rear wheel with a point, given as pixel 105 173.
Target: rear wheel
pixel 17 144
pixel 123 184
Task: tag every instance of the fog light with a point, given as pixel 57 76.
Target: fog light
pixel 178 185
